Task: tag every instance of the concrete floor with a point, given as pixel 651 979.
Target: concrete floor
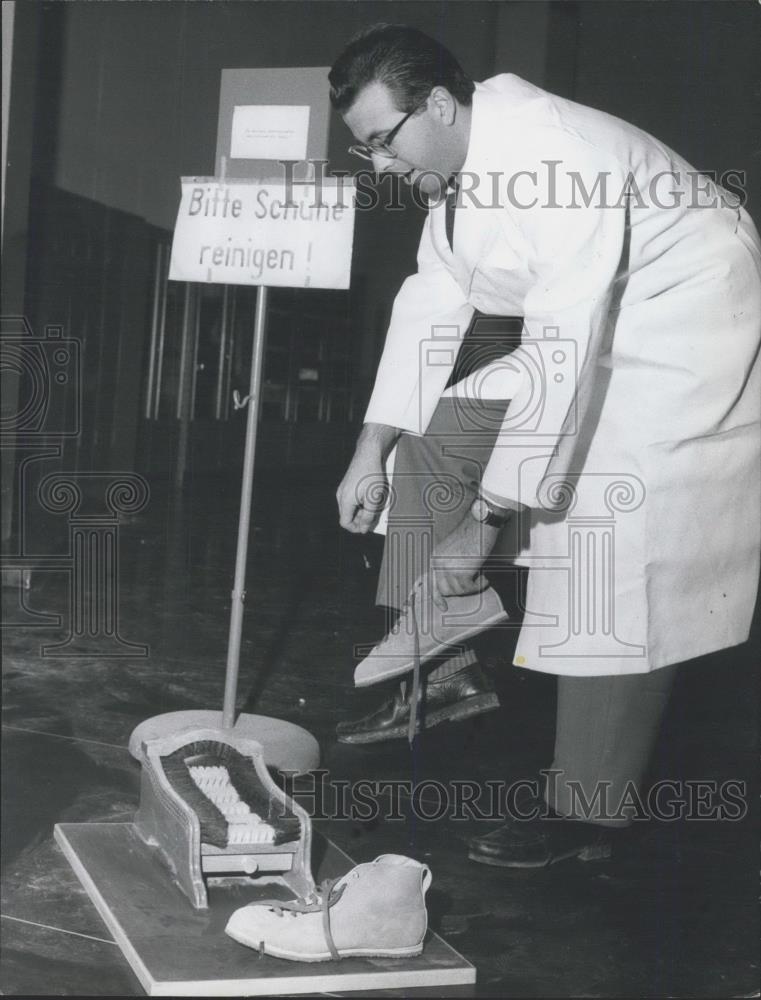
pixel 674 913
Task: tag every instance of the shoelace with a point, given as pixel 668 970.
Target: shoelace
pixel 327 896
pixel 397 626
pixel 415 696
pixel 409 606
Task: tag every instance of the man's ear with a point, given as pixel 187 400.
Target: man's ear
pixel 444 104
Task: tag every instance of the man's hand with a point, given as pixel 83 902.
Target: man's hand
pixel 457 561
pixel 363 491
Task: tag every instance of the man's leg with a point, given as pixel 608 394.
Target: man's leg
pixel 435 480
pixel 605 734
pixel 433 492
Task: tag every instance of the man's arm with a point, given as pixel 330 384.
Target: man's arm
pixel 407 384
pixel 363 491
pixel 576 256
pixel 430 316
pixel 575 261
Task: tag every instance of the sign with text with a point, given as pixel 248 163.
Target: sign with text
pixel 250 233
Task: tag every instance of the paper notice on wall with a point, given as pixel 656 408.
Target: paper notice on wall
pixel 269 132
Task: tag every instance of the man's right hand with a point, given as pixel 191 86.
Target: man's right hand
pixel 363 491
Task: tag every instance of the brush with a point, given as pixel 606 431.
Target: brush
pixel 219 783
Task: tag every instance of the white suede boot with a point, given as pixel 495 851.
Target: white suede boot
pixel 375 909
pixel 423 631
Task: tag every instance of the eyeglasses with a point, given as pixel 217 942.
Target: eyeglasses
pixel 367 150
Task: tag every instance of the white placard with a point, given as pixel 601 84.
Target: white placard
pixel 250 233
pixel 269 132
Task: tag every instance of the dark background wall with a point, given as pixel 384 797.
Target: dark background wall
pixel 140 88
pixel 139 82
pixel 139 92
pixel 113 102
pixel 687 72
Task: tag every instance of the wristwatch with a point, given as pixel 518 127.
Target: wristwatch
pixel 486 513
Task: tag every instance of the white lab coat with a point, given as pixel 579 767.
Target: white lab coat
pixel 634 428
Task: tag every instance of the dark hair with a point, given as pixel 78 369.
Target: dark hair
pixel 409 62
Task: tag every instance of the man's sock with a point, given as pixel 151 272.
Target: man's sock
pixel 452 665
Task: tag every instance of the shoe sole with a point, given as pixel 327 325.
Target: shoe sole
pixel 597 852
pixel 467 709
pixel 386 675
pixel 325 956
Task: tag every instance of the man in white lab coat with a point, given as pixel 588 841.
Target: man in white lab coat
pixel 630 446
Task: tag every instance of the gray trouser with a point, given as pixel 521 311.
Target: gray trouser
pixel 606 727
pixel 435 480
pixel 605 732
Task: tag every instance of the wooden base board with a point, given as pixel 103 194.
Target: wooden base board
pixel 176 950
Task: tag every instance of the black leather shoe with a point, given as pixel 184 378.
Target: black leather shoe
pixel 539 842
pixel 460 696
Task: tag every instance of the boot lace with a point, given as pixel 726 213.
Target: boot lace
pixel 396 628
pixel 326 896
pixel 409 610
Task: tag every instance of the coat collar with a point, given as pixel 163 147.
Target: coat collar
pixel 488 102
pixel 499 105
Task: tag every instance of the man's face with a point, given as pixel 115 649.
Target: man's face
pixel 422 155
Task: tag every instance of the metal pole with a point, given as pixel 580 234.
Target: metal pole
pixel 194 364
pixel 183 379
pixel 162 337
pixel 185 383
pixel 154 334
pixel 239 592
pixel 222 359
